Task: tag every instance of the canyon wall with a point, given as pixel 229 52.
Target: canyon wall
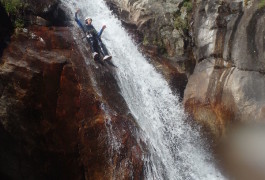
pixel 218 45
pixel 160 28
pixel 59 117
pixel 53 121
pixel 227 85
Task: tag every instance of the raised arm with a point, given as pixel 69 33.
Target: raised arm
pixel 101 31
pixel 78 21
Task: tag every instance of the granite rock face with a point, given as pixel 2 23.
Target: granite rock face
pixel 155 21
pixel 228 81
pixel 61 118
pixel 161 30
pixel 227 48
pixel 35 84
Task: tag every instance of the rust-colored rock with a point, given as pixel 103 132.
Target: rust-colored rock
pixel 38 138
pixel 53 123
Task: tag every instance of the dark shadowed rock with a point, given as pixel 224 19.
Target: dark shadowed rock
pixel 6 29
pixel 36 140
pixel 51 11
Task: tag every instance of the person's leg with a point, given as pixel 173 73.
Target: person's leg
pixel 102 48
pixel 91 42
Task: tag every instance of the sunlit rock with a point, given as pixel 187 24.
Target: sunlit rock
pixel 228 81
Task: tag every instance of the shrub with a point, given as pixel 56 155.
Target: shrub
pixel 19 23
pixel 15 10
pixel 12 6
pixel 145 41
pixel 261 4
pixel 188 5
pixel 181 24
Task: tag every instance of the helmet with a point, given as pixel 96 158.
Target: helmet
pixel 88 18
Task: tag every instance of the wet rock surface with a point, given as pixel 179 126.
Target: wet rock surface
pixel 38 129
pixel 59 117
pixel 226 87
pixel 227 48
pixel 153 27
pixel 62 115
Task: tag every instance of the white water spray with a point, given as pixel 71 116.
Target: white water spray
pixel 176 151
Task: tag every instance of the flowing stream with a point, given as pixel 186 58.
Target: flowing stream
pixel 176 149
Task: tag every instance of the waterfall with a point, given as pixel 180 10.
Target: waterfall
pixel 176 149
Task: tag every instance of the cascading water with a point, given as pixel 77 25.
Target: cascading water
pixel 176 151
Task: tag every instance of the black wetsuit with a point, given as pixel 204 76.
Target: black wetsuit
pixel 93 37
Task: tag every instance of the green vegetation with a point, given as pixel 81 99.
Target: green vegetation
pixel 12 6
pixel 158 43
pixel 145 41
pixel 15 10
pixel 188 5
pixel 261 4
pixel 182 23
pixel 19 23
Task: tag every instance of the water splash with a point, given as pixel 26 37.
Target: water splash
pixel 113 141
pixel 176 150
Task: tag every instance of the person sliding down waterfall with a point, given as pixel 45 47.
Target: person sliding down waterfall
pixel 93 37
